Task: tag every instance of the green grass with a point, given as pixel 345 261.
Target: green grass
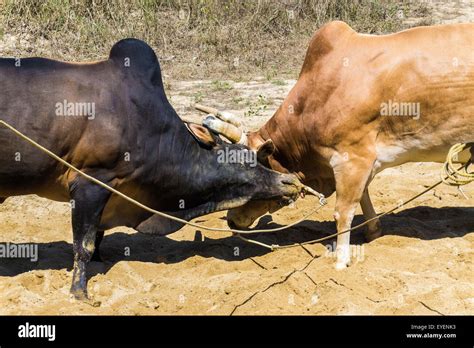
pixel 256 108
pixel 221 86
pixel 237 100
pixel 278 82
pixel 198 97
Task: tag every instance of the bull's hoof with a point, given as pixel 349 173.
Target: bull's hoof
pixel 80 294
pixel 343 257
pixel 340 265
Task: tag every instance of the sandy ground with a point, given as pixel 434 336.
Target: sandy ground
pixel 422 265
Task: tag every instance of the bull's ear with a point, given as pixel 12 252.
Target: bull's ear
pixel 202 134
pixel 265 150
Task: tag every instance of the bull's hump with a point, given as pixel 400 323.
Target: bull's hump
pixel 133 54
pixel 324 41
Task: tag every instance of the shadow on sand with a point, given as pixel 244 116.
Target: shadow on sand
pixel 420 222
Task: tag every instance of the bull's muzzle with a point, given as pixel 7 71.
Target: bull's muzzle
pixel 296 189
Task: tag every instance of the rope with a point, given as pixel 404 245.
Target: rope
pixel 453 176
pixel 322 201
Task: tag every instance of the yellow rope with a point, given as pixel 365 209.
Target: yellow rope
pixel 453 176
pixel 322 201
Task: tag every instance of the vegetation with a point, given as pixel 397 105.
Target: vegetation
pixel 193 38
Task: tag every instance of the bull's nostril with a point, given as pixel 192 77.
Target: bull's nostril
pixel 232 224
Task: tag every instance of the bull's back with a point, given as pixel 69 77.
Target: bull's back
pixel 351 86
pixel 430 79
pixel 411 92
pixel 52 103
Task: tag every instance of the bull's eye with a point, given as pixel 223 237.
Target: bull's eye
pixel 283 202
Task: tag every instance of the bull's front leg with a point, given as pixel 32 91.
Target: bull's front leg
pixel 99 236
pixel 352 173
pixel 88 202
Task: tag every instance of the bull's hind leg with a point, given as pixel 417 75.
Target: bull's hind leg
pixel 374 228
pixel 352 173
pixel 88 204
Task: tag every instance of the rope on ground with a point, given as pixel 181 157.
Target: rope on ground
pixel 453 176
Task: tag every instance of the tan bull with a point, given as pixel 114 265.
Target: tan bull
pixel 363 103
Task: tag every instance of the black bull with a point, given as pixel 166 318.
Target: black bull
pixel 112 120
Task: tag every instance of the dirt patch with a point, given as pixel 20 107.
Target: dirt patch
pixel 441 12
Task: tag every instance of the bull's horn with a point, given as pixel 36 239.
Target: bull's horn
pixel 223 115
pixel 228 117
pixel 206 109
pixel 231 132
pixel 309 190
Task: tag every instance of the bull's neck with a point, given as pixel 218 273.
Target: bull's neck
pixel 179 165
pixel 286 130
